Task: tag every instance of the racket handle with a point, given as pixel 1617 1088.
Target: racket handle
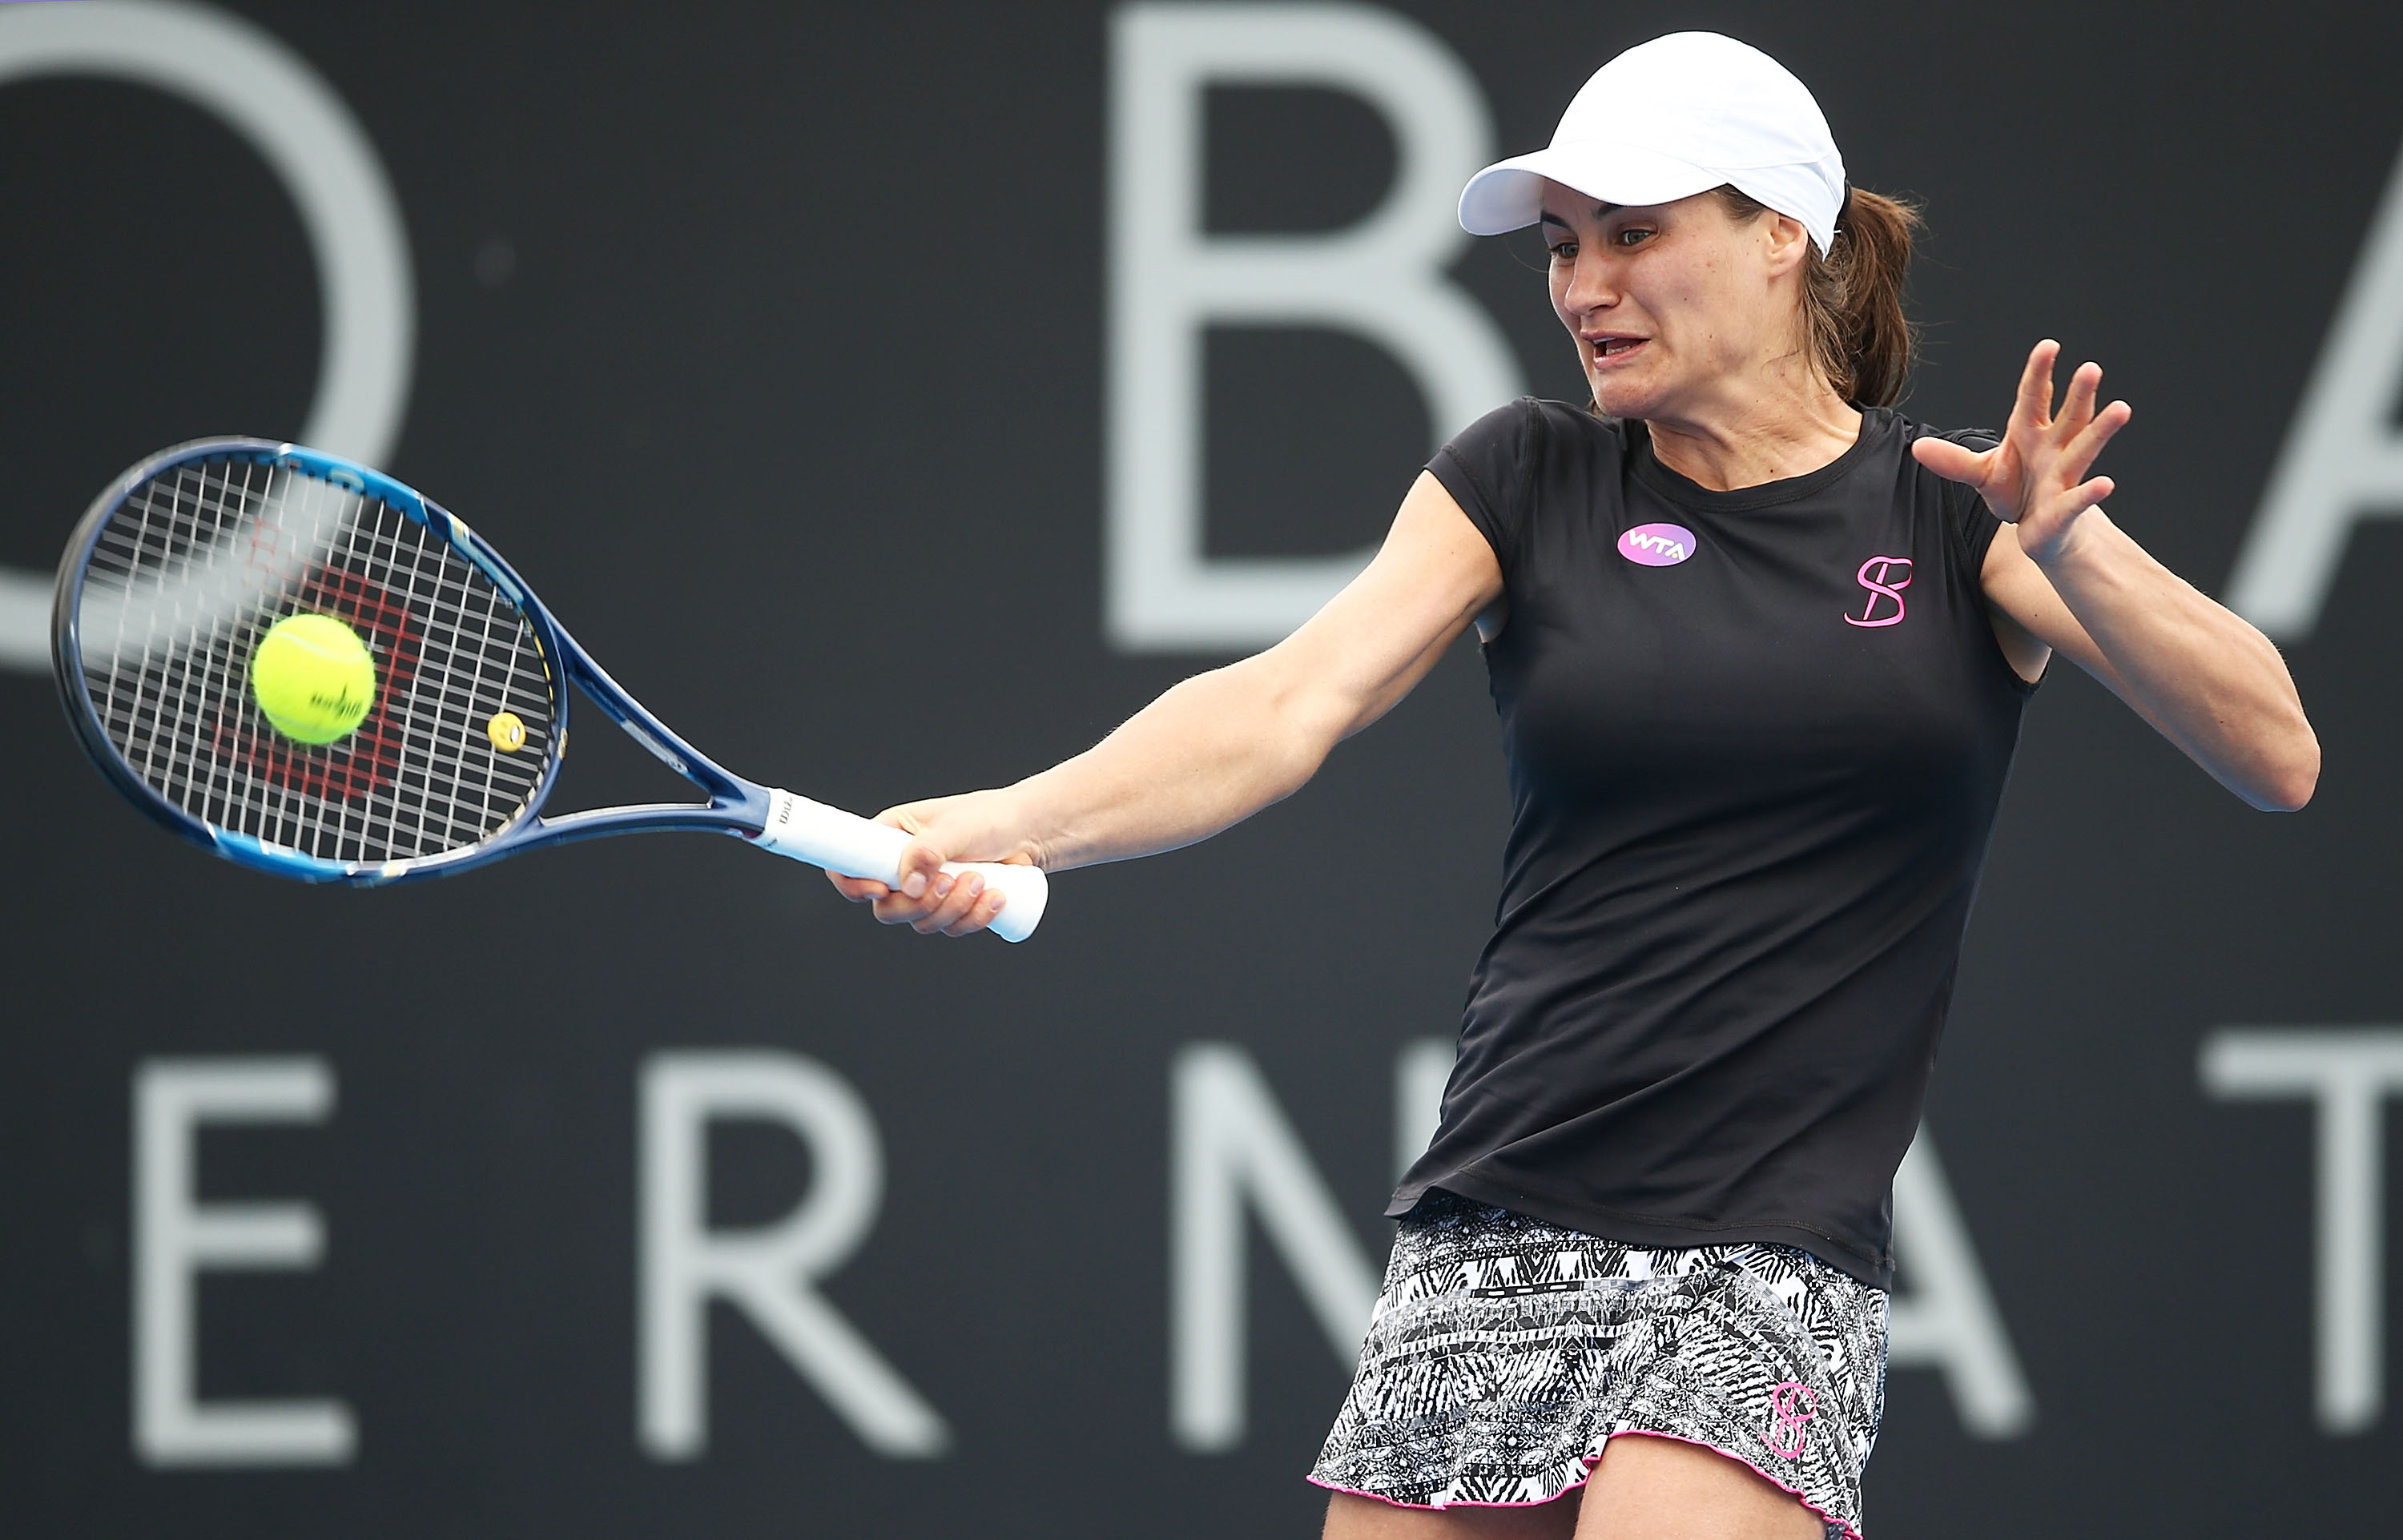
pixel 844 843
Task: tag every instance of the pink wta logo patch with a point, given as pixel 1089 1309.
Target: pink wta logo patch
pixel 1657 545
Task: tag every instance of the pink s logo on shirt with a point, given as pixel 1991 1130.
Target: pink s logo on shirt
pixel 1877 575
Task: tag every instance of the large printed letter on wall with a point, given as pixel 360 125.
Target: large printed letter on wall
pixel 765 1271
pixel 1382 279
pixel 2349 1072
pixel 1230 1146
pixel 228 67
pixel 175 1237
pixel 1947 1320
pixel 2343 457
pixel 1421 1071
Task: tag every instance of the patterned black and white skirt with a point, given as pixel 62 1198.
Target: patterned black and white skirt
pixel 1506 1351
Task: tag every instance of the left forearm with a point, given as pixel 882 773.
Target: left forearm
pixel 2209 681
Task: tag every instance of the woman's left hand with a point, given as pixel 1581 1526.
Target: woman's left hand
pixel 2036 477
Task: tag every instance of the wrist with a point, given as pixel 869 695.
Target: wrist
pixel 1017 814
pixel 2078 547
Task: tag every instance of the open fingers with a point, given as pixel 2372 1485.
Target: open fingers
pixel 2033 407
pixel 2101 431
pixel 2077 405
pixel 2073 458
pixel 2072 501
pixel 2087 494
pixel 1950 461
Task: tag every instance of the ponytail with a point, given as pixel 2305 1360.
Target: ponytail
pixel 1851 296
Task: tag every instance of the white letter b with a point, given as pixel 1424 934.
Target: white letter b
pixel 1382 279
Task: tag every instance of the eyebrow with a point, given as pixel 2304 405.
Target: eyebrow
pixel 1548 217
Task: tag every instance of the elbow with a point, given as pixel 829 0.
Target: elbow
pixel 2289 785
pixel 1300 728
pixel 1300 746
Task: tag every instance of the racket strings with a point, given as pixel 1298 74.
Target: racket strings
pixel 188 576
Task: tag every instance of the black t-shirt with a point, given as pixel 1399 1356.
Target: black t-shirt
pixel 1756 742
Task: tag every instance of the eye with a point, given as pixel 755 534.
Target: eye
pixel 1564 251
pixel 1634 235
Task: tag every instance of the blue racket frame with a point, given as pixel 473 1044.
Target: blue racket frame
pixel 735 806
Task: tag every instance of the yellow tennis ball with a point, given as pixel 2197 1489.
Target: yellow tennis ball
pixel 313 678
pixel 506 729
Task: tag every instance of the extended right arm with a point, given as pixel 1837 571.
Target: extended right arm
pixel 1220 746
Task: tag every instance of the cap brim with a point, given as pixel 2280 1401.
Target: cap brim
pixel 1509 194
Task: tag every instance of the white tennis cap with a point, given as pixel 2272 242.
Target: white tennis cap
pixel 1669 119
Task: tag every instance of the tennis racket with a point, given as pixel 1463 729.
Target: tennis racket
pixel 183 564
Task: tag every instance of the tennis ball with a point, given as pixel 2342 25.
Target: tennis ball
pixel 506 729
pixel 313 678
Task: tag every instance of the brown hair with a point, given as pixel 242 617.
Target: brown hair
pixel 1853 318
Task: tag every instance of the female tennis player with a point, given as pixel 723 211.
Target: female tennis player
pixel 1759 644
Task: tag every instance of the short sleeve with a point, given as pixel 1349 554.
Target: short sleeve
pixel 1973 524
pixel 1485 470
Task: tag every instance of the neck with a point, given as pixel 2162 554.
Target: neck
pixel 1767 428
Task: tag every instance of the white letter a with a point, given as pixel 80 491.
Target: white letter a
pixel 2343 460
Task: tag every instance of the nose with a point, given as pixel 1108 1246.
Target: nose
pixel 1591 285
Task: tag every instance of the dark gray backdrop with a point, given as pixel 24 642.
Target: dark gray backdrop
pixel 767 342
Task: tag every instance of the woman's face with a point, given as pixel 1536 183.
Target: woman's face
pixel 1675 306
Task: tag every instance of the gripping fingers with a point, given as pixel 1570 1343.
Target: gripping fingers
pixel 921 870
pixel 949 901
pixel 980 914
pixel 859 890
pixel 955 906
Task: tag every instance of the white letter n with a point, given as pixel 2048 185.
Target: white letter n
pixel 1230 1143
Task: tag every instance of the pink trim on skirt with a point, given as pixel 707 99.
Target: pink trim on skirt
pixel 1591 1460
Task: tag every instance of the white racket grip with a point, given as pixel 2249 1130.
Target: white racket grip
pixel 844 843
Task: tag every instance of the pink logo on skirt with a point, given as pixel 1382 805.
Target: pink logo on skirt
pixel 1793 1404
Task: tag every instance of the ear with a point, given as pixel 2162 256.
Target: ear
pixel 1789 243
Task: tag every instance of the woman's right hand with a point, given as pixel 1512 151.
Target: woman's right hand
pixel 974 826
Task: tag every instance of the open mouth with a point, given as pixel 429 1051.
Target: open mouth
pixel 1614 347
